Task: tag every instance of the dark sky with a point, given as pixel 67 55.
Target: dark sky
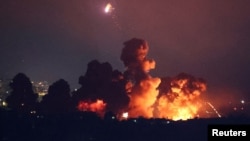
pixel 53 39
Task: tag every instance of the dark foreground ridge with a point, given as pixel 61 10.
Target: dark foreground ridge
pixel 87 126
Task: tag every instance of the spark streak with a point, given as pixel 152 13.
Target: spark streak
pixel 214 109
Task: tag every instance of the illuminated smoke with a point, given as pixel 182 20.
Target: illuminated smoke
pixel 98 106
pixel 101 82
pixel 142 88
pixel 181 101
pixel 143 97
pixel 173 98
pixel 135 92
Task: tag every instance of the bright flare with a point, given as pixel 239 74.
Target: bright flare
pixel 125 115
pixel 108 8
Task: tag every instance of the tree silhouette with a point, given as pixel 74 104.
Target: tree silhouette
pixel 22 98
pixel 57 101
pixel 102 82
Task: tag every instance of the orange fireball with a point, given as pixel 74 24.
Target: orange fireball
pixel 98 106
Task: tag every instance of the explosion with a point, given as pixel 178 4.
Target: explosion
pixel 135 93
pixel 182 101
pixel 143 92
pixel 176 98
pixel 97 107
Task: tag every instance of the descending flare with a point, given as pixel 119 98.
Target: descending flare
pixel 108 8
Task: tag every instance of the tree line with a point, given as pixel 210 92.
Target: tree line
pixel 99 82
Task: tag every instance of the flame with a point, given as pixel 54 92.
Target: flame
pixel 181 102
pixel 125 115
pixel 143 97
pixel 182 108
pixel 176 98
pixel 98 106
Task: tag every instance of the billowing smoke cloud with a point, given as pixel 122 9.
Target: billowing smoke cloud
pixel 170 97
pixel 180 97
pixel 101 88
pixel 134 58
pixel 135 91
pixel 141 87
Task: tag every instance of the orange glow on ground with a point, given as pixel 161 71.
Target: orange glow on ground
pixel 98 106
pixel 181 102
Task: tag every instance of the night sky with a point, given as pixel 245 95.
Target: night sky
pixel 53 39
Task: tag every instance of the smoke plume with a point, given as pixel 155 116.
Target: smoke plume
pixel 168 97
pixel 137 93
pixel 141 87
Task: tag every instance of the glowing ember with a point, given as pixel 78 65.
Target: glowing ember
pixel 125 115
pixel 98 106
pixel 180 102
